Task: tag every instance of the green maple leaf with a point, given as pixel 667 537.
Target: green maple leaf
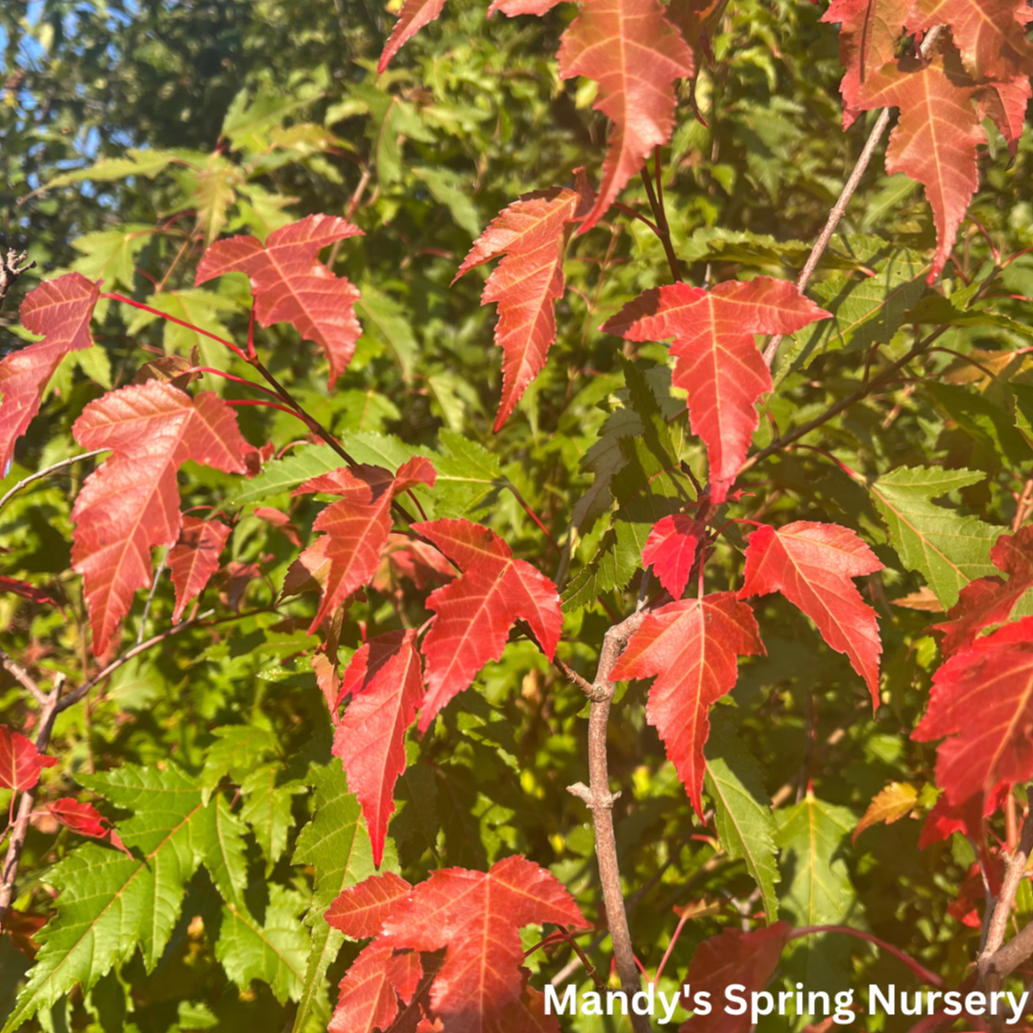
pixel 742 809
pixel 335 843
pixel 108 903
pixel 946 548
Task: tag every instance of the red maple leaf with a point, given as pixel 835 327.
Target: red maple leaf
pixel 989 600
pixel 360 910
pixel 635 55
pixel 933 142
pixel 716 357
pixel 982 701
pixel 356 528
pixel 531 234
pixel 369 992
pixel 671 550
pixel 477 609
pixel 195 558
pixel 968 817
pixel 811 565
pixel 476 917
pixel 990 34
pixel 410 558
pixel 85 819
pixel 385 682
pixel 291 286
pixel 61 310
pixel 693 647
pixel 869 33
pixel 748 959
pixel 1005 103
pixel 20 761
pixel 130 503
pixel 411 18
pixel 27 591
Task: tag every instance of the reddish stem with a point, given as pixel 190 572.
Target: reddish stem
pixel 531 513
pixel 172 319
pixel 670 947
pixel 252 354
pixel 230 376
pixel 919 970
pixel 263 402
pixel 638 215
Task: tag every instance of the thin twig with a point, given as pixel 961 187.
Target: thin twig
pixel 599 800
pixel 572 676
pixel 839 208
pixel 47 471
pixel 862 392
pixel 74 697
pixel 150 597
pixel 22 676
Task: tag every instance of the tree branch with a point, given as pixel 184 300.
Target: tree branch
pixel 987 963
pixel 11 268
pixel 599 800
pixel 838 210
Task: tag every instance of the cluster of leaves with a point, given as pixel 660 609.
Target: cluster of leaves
pixel 351 710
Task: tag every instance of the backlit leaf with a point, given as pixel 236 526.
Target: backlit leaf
pixel 477 609
pixel 693 647
pixel 291 286
pixel 130 503
pixel 385 681
pixel 531 235
pixel 811 565
pixel 716 356
pixel 61 310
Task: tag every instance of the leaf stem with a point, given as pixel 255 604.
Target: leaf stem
pixel 172 319
pixel 229 376
pixel 663 231
pixel 637 215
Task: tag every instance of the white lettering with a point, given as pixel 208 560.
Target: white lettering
pixel 670 1006
pixel 975 1003
pixel 733 993
pixel 558 1005
pixel 876 1002
pixel 1018 1008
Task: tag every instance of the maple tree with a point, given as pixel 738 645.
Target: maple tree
pixel 354 679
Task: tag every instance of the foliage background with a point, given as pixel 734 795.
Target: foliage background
pixel 270 111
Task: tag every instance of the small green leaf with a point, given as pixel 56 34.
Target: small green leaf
pixel 268 811
pixel 335 843
pixel 742 817
pixel 274 951
pixel 236 751
pixel 946 548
